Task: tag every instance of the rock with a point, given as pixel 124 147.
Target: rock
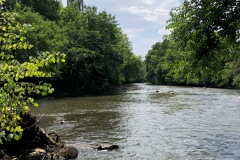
pixel 39 150
pixel 170 92
pixel 99 148
pixel 109 147
pixel 37 153
pixel 69 153
pixel 106 147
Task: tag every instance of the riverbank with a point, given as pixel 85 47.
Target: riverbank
pixel 35 143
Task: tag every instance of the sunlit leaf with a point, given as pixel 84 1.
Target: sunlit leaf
pixel 16 137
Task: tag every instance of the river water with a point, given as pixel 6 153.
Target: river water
pixel 148 122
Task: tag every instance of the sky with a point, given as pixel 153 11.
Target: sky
pixel 143 21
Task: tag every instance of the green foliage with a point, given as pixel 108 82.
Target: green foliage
pixel 97 50
pixel 98 54
pixel 16 91
pixel 167 64
pixel 156 62
pixel 48 8
pixel 201 25
pixel 10 4
pixel 203 48
pixel 134 70
pixel 45 35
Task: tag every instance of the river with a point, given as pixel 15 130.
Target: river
pixel 149 122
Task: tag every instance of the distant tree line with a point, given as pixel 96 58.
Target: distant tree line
pixel 203 47
pixel 98 53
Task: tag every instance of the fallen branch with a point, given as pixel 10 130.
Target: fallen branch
pixel 47 137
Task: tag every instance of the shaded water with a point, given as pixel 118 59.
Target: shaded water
pixel 192 123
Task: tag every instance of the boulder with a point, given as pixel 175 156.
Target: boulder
pixel 69 153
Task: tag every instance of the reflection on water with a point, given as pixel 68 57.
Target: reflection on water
pixel 192 123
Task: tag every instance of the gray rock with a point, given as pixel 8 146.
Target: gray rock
pixel 69 153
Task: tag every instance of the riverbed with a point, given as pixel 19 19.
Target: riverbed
pixel 149 122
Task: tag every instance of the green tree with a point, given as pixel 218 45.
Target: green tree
pixel 16 91
pixel 200 25
pixel 95 50
pixel 45 35
pixel 202 48
pixel 154 62
pixel 47 8
pixel 10 4
pixel 134 70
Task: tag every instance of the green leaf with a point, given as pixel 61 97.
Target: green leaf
pixel 2 134
pixel 18 129
pixel 4 28
pixel 35 104
pixel 22 38
pixel 25 46
pixel 16 137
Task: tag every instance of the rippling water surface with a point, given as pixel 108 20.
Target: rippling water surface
pixel 192 123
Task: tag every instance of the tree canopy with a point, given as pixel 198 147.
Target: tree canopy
pixel 201 25
pixel 97 51
pixel 203 47
pixel 47 8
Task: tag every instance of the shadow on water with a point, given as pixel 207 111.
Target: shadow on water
pixel 150 122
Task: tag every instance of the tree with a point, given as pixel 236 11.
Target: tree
pixel 166 64
pixel 134 70
pixel 96 50
pixel 47 8
pixel 154 62
pixel 200 25
pixel 16 90
pixel 10 4
pixel 45 35
pixel 203 47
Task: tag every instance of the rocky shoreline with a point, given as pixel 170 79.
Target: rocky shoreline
pixel 36 144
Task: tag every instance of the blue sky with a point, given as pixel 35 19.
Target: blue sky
pixel 144 21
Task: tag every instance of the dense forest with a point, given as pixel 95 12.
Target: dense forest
pixel 98 54
pixel 203 47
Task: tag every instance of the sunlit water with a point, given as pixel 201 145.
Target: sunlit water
pixel 192 123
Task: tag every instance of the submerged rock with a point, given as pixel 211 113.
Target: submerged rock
pixel 106 147
pixel 170 92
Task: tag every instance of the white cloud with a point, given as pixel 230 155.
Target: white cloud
pixel 133 32
pixel 146 13
pixel 154 11
pixel 148 2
